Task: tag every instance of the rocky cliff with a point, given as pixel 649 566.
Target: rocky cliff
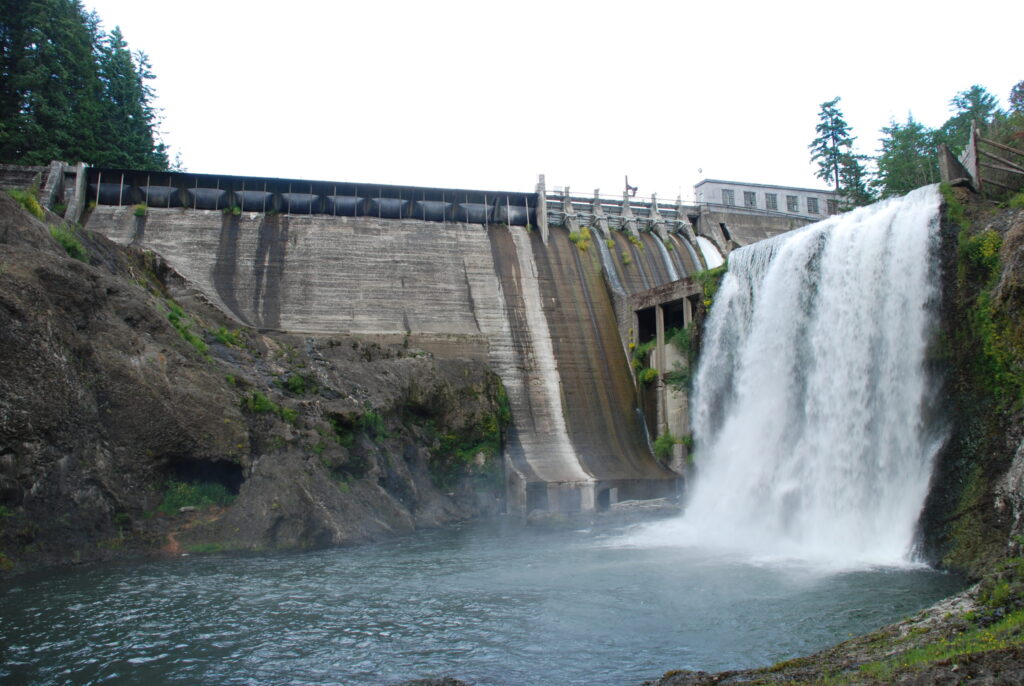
pixel 134 416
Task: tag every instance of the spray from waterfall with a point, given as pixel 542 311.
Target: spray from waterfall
pixel 809 406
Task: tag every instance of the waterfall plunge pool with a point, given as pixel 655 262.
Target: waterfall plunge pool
pixel 491 603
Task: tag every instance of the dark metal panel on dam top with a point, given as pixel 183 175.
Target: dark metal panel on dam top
pixel 300 203
pixel 387 208
pixel 111 194
pixel 254 201
pixel 431 210
pixel 161 196
pixel 344 205
pixel 207 198
pixel 263 194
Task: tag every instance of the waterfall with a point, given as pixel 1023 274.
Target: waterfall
pixel 693 253
pixel 673 274
pixel 608 263
pixel 810 395
pixel 712 258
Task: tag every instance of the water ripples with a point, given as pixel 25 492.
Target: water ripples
pixel 492 605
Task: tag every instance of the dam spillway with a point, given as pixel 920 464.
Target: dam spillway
pixel 471 277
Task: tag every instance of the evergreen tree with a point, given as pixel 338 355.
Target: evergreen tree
pixel 907 159
pixel 832 143
pixel 1017 99
pixel 853 181
pixel 49 100
pixel 973 104
pixel 67 91
pixel 838 164
pixel 130 119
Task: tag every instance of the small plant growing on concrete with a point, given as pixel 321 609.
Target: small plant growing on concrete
pixel 140 210
pixel 663 445
pixel 626 259
pixel 581 238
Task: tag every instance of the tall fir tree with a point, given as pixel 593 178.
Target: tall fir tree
pixel 50 92
pixel 130 119
pixel 832 143
pixel 838 164
pixel 53 101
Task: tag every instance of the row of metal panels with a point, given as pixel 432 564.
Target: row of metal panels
pixel 311 203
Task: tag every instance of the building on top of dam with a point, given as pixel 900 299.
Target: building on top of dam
pixel 811 203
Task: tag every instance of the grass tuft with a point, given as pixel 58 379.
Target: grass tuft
pixel 179 494
pixel 70 242
pixel 29 203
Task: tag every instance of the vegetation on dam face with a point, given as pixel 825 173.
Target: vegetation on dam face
pixel 134 417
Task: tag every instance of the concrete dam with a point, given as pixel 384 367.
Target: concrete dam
pixel 490 276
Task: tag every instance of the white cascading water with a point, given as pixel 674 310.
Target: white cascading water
pixel 810 396
pixel 712 258
pixel 673 274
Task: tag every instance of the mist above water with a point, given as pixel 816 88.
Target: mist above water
pixel 810 400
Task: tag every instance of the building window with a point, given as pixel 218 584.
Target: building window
pixel 728 197
pixel 749 199
pixel 792 203
pixel 812 205
pixel 771 201
pixel 833 206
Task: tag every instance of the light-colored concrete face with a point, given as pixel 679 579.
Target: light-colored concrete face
pixel 434 285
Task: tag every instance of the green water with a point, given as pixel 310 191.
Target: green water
pixel 490 603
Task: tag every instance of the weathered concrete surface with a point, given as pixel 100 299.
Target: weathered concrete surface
pixel 316 274
pixel 458 290
pixel 598 388
pixel 104 405
pixel 744 228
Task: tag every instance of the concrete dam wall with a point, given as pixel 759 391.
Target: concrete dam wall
pixel 543 314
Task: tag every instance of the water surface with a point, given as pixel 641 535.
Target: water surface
pixel 490 603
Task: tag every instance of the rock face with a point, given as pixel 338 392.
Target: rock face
pixel 974 514
pixel 112 395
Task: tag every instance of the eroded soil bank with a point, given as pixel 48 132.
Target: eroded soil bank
pixel 135 417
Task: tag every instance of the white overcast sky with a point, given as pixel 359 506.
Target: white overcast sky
pixel 487 95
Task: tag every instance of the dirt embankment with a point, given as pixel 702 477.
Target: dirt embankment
pixel 135 417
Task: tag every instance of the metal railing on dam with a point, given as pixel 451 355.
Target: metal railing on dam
pixel 296 196
pixel 627 213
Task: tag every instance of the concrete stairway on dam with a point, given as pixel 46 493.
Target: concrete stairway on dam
pixel 540 314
